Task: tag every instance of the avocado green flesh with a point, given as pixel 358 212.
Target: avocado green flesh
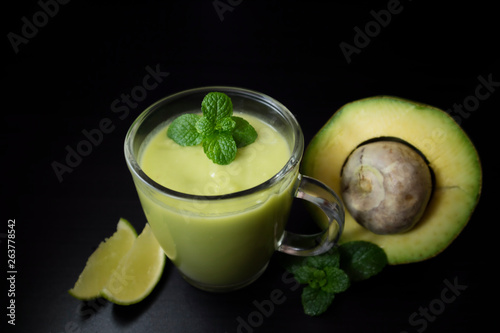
pixel 448 150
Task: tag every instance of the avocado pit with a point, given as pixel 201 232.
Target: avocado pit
pixel 386 186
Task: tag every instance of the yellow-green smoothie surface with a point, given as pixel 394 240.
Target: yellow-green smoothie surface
pixel 188 170
pixel 218 242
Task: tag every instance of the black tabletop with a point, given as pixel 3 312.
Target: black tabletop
pixel 74 67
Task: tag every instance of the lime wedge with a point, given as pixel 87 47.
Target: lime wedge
pixel 103 262
pixel 138 272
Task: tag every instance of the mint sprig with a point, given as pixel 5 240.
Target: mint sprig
pixel 333 272
pixel 219 132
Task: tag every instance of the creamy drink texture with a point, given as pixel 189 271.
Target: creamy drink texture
pixel 188 170
pixel 243 231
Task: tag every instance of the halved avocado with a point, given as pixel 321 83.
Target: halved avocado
pixel 451 157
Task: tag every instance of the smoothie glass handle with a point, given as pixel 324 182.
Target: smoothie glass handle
pixel 325 198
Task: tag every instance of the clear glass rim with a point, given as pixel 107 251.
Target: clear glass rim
pixel 295 157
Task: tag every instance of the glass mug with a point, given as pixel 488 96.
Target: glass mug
pixel 224 242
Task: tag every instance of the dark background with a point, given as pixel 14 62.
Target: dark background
pixel 64 78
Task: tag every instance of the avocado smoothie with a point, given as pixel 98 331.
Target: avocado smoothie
pixel 218 243
pixel 216 170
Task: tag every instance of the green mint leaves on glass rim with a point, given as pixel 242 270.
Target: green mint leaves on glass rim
pixel 219 132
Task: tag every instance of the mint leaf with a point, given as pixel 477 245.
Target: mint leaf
pixel 217 130
pixel 304 274
pixel 183 130
pixel 220 148
pixel 243 133
pixel 328 259
pixel 204 126
pixel 216 106
pixel 361 259
pixel 316 301
pixel 338 280
pixel 226 125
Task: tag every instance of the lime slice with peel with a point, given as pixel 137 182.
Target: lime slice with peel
pixel 124 269
pixel 103 262
pixel 138 272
